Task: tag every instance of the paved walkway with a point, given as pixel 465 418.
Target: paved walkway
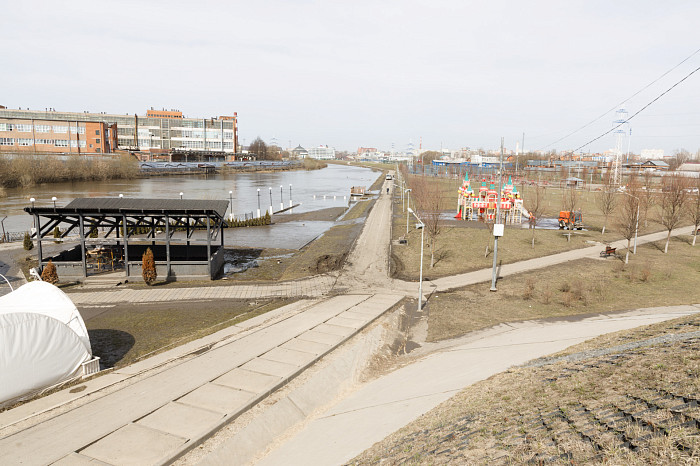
pixel 381 407
pixel 156 417
pixel 319 285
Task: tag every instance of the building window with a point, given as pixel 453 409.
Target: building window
pixel 61 143
pixel 7 141
pixel 44 142
pixel 77 130
pixel 23 128
pixel 42 128
pixel 60 129
pixel 97 141
pixel 98 150
pixel 5 127
pixel 97 132
pixel 24 142
pixel 81 144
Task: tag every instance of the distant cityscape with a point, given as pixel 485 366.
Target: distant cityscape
pixel 168 135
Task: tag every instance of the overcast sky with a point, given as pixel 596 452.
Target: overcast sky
pixel 367 73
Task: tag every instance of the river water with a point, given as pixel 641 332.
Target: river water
pixel 313 189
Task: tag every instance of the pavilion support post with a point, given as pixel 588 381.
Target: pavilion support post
pixel 167 246
pixel 82 244
pixel 126 247
pixel 208 246
pixel 37 226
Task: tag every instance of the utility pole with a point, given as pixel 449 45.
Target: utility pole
pixel 497 226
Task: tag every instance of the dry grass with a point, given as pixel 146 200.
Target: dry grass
pixel 635 406
pixel 462 246
pixel 127 333
pixel 26 170
pixel 578 287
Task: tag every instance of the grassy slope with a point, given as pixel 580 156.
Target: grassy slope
pixel 627 407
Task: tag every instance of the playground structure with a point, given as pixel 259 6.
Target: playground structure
pixel 480 204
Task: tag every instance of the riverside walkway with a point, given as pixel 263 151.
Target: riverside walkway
pixel 156 410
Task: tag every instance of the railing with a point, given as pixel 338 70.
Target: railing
pixel 11 236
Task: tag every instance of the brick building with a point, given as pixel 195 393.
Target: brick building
pixel 159 132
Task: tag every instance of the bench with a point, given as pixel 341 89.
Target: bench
pixel 608 252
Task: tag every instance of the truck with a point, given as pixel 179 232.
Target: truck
pixel 570 220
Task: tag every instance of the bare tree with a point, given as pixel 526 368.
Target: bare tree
pixel 259 148
pixel 626 220
pixel 428 198
pixel 672 202
pixel 647 196
pixel 570 199
pixel 680 157
pixel 536 207
pixel 694 208
pixel 606 199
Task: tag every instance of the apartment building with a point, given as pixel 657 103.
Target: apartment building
pixel 159 131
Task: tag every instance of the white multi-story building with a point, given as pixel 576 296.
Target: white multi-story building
pixel 322 153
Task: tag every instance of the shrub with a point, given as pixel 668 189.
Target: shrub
pixel 148 267
pixel 645 273
pixel 529 288
pixel 49 274
pixel 28 244
pixel 565 287
pixel 546 296
pixel 268 219
pixel 93 233
pixel 56 232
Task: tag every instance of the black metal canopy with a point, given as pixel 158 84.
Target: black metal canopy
pixel 132 219
pixel 111 205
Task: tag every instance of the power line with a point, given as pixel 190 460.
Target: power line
pixel 624 101
pixel 638 111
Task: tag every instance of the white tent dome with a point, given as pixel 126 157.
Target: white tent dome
pixel 43 340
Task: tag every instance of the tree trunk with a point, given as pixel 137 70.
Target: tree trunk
pixel 627 256
pixel 533 238
pixel 603 232
pixel 668 238
pixel 695 235
pixel 432 253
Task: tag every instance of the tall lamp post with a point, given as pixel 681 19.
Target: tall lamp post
pixel 497 226
pixel 408 192
pixel 420 281
pixel 258 202
pixel 281 200
pixel 54 202
pixel 290 195
pixel 230 199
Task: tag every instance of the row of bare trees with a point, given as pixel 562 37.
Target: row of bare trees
pixel 676 200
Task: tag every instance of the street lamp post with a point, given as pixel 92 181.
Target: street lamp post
pixel 54 202
pixel 258 202
pixel 497 226
pixel 408 191
pixel 181 194
pixel 420 280
pixel 281 200
pixel 290 195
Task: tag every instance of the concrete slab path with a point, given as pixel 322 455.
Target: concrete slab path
pixel 159 415
pixel 384 405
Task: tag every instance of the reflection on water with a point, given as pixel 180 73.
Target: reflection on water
pixel 314 189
